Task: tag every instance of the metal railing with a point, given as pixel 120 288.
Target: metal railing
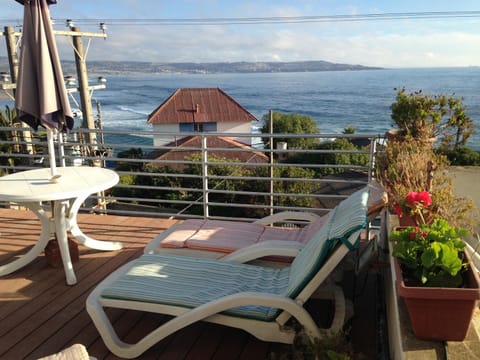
pixel 212 176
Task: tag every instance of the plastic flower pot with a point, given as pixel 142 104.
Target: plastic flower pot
pixel 440 313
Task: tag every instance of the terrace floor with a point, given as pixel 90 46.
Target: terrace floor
pixel 41 315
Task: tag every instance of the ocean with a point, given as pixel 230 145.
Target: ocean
pixel 335 100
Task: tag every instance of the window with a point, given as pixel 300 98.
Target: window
pixel 198 127
pixel 186 127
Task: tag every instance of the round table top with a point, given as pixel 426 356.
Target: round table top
pixel 36 185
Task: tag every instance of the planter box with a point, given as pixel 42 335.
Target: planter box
pixel 440 313
pixel 53 256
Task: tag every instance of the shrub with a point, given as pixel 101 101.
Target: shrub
pixel 462 156
pixel 412 165
pixel 336 157
pixel 291 124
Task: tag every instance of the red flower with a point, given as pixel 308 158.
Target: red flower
pixel 424 198
pixel 398 209
pixel 411 198
pixel 416 205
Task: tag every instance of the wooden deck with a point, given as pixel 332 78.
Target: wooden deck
pixel 41 315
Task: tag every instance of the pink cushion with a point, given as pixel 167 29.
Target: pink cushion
pixel 225 236
pixel 228 236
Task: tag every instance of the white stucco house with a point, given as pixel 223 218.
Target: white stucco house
pixel 199 110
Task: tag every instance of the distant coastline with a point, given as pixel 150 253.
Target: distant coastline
pixel 123 67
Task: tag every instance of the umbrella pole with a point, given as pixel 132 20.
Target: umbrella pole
pixel 51 154
pixel 61 149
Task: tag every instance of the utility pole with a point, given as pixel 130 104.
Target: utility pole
pixel 12 52
pixel 11 40
pixel 85 98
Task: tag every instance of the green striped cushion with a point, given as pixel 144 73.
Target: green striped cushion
pixel 347 217
pixel 190 282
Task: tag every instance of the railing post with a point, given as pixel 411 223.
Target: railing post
pixel 371 165
pixel 271 160
pixel 205 176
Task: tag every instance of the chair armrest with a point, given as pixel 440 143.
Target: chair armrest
pixel 287 215
pixel 264 248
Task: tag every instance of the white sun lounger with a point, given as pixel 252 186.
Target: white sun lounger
pixel 257 299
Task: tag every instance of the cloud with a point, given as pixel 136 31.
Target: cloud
pixel 218 44
pixel 418 50
pixel 400 43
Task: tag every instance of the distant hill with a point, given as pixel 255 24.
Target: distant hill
pixel 109 67
pixel 106 67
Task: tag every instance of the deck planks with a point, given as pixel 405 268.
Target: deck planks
pixel 41 315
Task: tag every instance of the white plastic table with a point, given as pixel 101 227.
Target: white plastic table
pixel 56 205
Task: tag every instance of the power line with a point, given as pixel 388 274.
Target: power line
pixel 434 15
pixel 288 19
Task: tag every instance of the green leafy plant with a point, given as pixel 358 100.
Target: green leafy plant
pixel 431 254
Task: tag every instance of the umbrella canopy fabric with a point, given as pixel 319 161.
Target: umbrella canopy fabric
pixel 49 2
pixel 41 97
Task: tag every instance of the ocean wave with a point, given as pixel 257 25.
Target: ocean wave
pixel 134 111
pixel 126 124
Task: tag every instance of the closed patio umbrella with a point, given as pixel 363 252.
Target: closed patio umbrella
pixel 41 97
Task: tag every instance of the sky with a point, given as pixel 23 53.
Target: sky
pixel 136 31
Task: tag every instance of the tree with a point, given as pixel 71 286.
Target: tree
pixel 291 124
pixel 295 186
pixel 349 130
pixel 459 126
pixel 132 153
pixel 8 118
pixel 424 116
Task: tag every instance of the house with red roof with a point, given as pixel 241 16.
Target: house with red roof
pixel 199 110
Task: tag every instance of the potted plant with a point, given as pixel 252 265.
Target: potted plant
pixel 436 280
